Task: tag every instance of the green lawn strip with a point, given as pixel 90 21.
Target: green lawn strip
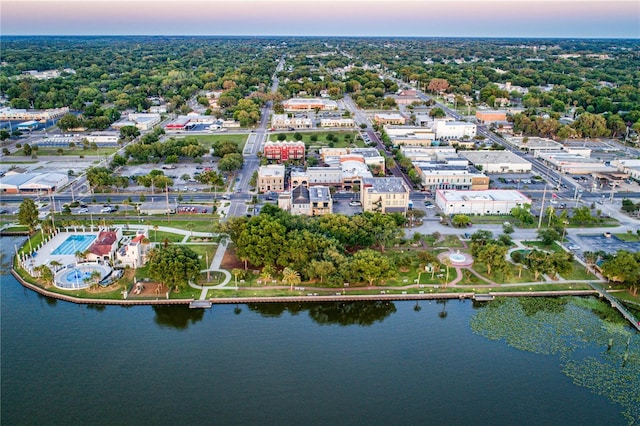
pixel 161 236
pixel 626 295
pixel 66 151
pixel 176 222
pixel 538 245
pixel 604 223
pixel 16 228
pixel 628 237
pixel 184 293
pixel 32 242
pixel 499 220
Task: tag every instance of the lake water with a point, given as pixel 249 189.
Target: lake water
pixel 360 363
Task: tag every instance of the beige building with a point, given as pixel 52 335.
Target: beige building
pixel 283 121
pixel 448 177
pixel 307 104
pixel 533 144
pixel 384 195
pixel 134 252
pixel 271 178
pixel 490 116
pixel 337 122
pixel 389 118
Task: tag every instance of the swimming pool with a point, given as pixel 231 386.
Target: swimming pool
pixel 80 276
pixel 74 243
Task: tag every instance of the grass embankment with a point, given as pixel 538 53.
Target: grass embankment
pixel 628 237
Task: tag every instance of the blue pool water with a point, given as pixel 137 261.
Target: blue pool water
pixel 74 243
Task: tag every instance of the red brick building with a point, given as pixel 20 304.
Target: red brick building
pixel 283 151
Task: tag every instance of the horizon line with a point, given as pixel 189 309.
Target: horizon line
pixel 331 36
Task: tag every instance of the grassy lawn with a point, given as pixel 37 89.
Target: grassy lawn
pixel 208 140
pixel 628 237
pixel 160 236
pixel 540 246
pixel 35 240
pixel 17 228
pixel 499 220
pixel 322 138
pixel 66 151
pixel 452 241
pixel 206 251
pixel 178 223
pixel 578 273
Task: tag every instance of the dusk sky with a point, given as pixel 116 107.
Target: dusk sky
pixel 454 18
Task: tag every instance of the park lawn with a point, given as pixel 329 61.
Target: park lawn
pixel 185 293
pixel 499 220
pixel 204 250
pixel 449 241
pixel 538 244
pixel 160 236
pixel 537 287
pixel 605 222
pixel 628 237
pixel 578 273
pixel 16 228
pixel 322 138
pixel 176 222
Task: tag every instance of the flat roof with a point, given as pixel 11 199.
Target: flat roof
pixel 492 157
pixel 385 184
pixel 485 195
pixel 271 170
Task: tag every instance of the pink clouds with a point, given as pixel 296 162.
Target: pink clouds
pixel 316 17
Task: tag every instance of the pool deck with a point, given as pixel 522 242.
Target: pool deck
pixel 44 255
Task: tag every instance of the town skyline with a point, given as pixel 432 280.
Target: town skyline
pixel 384 18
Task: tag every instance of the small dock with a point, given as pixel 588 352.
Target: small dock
pixel 483 297
pixel 615 304
pixel 200 304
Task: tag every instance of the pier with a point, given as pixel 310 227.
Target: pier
pixel 614 303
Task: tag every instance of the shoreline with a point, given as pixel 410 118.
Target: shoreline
pixel 300 299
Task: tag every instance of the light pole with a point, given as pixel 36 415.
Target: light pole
pixel 564 230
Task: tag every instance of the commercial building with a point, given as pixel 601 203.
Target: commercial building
pixel 567 162
pixel 426 153
pixel 497 161
pixel 446 130
pixel 31 183
pixel 308 104
pixel 436 176
pixel 533 144
pixel 271 178
pixel 14 114
pixel 491 201
pixel 104 246
pixel 28 126
pixel 490 116
pixel 284 151
pixel 143 121
pixel 630 167
pixel 315 201
pixel 328 176
pixel 389 118
pixel 370 156
pixel 384 195
pixel 337 122
pixel 283 121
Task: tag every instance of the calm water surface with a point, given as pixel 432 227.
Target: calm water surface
pixel 383 363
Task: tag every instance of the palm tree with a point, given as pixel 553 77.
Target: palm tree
pixel 447 262
pixel 55 264
pixel 236 272
pixel 290 276
pixel 155 233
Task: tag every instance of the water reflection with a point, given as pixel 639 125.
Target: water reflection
pixel 178 317
pixel 350 313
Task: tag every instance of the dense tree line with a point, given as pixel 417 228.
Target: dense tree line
pixel 317 248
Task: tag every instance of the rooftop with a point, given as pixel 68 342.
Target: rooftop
pixel 385 185
pixel 486 195
pixel 492 157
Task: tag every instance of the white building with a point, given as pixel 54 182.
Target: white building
pixel 143 121
pixel 566 162
pixel 491 201
pixel 426 153
pixel 134 251
pixel 445 129
pixel 631 167
pixel 314 201
pixel 497 161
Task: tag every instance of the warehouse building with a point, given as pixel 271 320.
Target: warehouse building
pixel 497 161
pixel 491 201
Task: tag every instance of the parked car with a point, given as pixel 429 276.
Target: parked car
pixel 106 210
pixel 84 210
pixel 355 203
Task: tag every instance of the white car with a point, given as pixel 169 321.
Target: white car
pixel 83 210
pixel 429 206
pixel 106 210
pixel 355 203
